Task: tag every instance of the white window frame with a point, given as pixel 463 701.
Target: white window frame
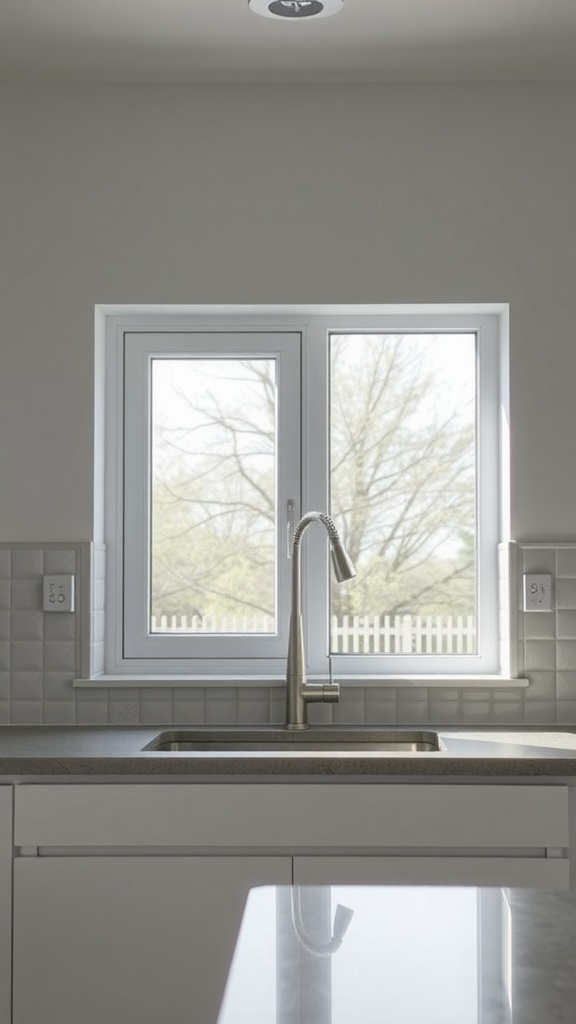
pixel 312 325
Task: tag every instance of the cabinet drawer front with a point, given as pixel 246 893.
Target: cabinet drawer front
pixel 291 816
pixel 523 872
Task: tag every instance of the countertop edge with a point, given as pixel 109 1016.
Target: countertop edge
pixel 284 769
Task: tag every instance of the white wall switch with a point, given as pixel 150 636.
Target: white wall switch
pixel 58 593
pixel 537 592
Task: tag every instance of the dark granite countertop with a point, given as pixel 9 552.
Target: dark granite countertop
pixel 118 751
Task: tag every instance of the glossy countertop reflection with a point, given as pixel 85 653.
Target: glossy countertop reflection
pixel 403 955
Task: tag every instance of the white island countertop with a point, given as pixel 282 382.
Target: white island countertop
pixel 335 954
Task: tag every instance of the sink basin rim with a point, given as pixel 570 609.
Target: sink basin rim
pixel 285 743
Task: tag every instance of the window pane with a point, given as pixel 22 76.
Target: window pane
pixel 213 496
pixel 403 492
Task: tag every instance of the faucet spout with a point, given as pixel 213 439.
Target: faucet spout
pixel 298 691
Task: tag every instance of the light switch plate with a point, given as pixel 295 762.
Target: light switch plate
pixel 58 593
pixel 537 592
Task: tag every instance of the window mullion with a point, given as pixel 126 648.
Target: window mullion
pixel 315 546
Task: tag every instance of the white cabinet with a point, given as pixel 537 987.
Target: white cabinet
pixel 492 820
pixel 5 899
pixel 128 898
pixel 129 940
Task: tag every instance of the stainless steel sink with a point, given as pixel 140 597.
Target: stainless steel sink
pixel 283 743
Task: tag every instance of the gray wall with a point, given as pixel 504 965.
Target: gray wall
pixel 444 193
pixel 277 194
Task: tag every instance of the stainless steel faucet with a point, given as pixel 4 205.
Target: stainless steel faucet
pixel 298 691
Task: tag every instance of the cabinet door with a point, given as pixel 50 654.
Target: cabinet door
pixel 129 940
pixel 5 899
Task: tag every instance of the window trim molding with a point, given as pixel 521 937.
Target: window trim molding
pixel 111 322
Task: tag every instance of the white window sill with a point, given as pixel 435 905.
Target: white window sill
pixel 404 682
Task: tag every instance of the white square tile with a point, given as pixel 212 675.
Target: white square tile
pixel 91 694
pixel 253 706
pixel 61 626
pixel 59 561
pixel 188 709
pixel 155 693
pixel 221 706
pixel 58 686
pixel 60 655
pixel 380 706
pixel 5 566
pixel 119 693
pixel 540 712
pixel 26 594
pixel 26 686
pixel 320 714
pixel 26 712
pixel 26 655
pixel 539 655
pixel 123 712
pixel 27 563
pixel 5 595
pixel 277 706
pixel 59 713
pixel 566 712
pixel 566 562
pixel 542 686
pixel 4 686
pixel 509 695
pixel 566 686
pixel 92 713
pixel 566 593
pixel 566 654
pixel 156 712
pixel 508 713
pixel 477 712
pixel 444 712
pixel 4 625
pixel 470 696
pixel 5 712
pixel 350 709
pixel 4 656
pixel 26 625
pixel 541 560
pixel 539 625
pixel 410 712
pixel 566 624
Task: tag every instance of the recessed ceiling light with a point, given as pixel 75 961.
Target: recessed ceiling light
pixel 292 10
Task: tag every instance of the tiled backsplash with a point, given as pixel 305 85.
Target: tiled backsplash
pixel 41 653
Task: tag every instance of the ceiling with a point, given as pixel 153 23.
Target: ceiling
pixel 222 40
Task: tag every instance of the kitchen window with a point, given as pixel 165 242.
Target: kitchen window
pixel 224 428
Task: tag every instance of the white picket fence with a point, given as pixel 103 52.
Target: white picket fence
pixel 351 634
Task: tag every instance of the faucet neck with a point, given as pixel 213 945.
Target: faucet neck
pixel 298 691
